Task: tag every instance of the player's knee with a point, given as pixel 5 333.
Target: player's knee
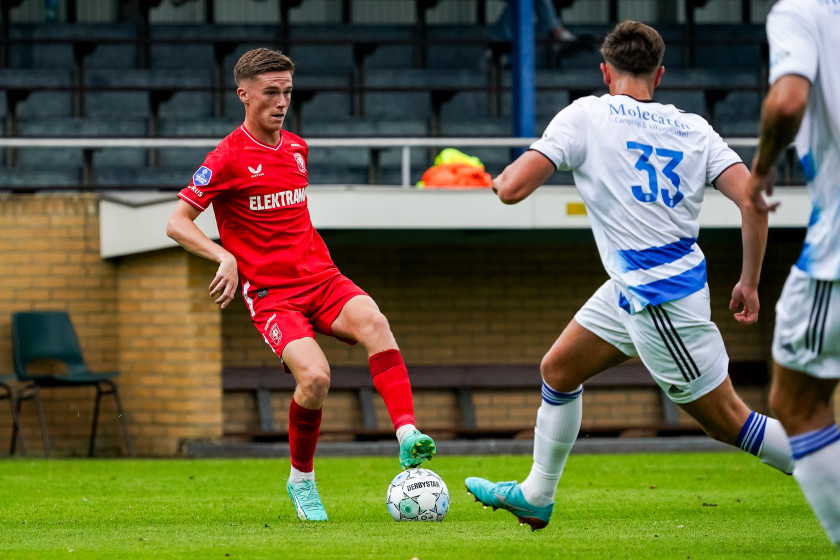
pixel 378 323
pixel 557 374
pixel 314 383
pixel 374 330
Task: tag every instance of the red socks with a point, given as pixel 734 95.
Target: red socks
pixel 304 427
pixel 390 377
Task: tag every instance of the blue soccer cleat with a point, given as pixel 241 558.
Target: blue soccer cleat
pixel 508 495
pixel 307 501
pixel 415 448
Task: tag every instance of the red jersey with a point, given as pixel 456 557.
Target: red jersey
pixel 259 198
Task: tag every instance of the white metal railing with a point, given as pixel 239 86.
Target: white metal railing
pixel 404 144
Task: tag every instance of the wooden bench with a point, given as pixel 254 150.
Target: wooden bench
pixel 464 380
pixel 460 379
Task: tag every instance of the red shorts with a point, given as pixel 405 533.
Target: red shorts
pixel 282 318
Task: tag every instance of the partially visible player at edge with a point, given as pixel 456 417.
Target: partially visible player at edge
pixel 805 96
pixel 641 168
pixel 256 179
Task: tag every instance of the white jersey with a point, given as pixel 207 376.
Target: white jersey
pixel 641 169
pixel 804 38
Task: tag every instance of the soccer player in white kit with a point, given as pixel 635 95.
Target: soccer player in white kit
pixel 804 96
pixel 641 168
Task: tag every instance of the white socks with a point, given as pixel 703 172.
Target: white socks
pixel 775 449
pixel 766 439
pixel 404 430
pixel 558 424
pixel 817 471
pixel 296 476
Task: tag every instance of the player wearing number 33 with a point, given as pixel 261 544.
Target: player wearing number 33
pixel 641 168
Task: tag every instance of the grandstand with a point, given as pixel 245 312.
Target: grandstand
pixel 413 69
pixel 108 109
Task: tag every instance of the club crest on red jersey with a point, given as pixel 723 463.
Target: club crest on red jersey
pixel 301 164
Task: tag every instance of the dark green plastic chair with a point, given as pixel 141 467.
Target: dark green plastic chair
pixel 49 335
pixel 7 392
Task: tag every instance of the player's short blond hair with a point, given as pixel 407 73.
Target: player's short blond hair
pixel 634 47
pixel 260 61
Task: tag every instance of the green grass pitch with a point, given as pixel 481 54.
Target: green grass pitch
pixel 672 506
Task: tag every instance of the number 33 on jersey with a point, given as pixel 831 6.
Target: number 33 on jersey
pixel 641 169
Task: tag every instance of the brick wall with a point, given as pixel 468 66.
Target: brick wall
pixel 471 301
pixel 170 349
pixel 143 315
pixel 501 298
pixel 49 247
pixel 451 298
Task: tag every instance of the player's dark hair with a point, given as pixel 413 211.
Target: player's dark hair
pixel 634 47
pixel 259 61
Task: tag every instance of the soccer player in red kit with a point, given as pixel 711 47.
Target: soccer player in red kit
pixel 256 179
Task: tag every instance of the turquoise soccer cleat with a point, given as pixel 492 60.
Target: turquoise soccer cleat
pixel 508 495
pixel 307 501
pixel 415 448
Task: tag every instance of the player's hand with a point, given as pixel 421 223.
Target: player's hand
pixel 763 183
pixel 224 284
pixel 766 207
pixel 746 300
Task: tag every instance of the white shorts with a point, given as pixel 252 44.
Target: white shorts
pixel 807 335
pixel 676 341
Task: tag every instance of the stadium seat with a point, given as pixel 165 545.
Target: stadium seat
pixel 50 335
pixel 7 392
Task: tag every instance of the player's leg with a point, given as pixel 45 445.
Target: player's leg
pixel 577 355
pixel 684 352
pixel 287 330
pixel 806 351
pixel 361 320
pixel 589 344
pixel 309 366
pixel 724 416
pixel 804 406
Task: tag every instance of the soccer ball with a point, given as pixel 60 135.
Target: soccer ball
pixel 417 495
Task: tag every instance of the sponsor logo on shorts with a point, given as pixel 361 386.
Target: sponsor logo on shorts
pixel 202 176
pixel 674 390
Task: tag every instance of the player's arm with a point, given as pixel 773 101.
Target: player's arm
pixel 181 227
pixel 734 184
pixel 781 116
pixel 522 177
